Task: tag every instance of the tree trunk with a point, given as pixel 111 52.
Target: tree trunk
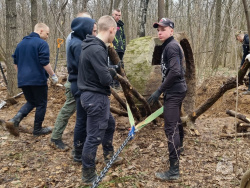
pixel 111 7
pixel 142 17
pixel 45 10
pixel 126 21
pixel 75 5
pixel 11 30
pixel 33 14
pixel 160 9
pixel 117 111
pixel 167 3
pixel 216 56
pixel 84 5
pixel 116 4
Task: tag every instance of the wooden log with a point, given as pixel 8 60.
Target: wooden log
pixel 117 111
pixel 242 127
pixel 118 98
pixel 234 135
pixel 115 59
pixel 238 115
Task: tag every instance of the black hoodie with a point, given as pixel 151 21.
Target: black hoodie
pixel 80 26
pixel 93 72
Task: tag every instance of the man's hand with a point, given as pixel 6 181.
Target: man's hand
pixel 54 79
pixel 154 97
pixel 248 57
pixel 112 72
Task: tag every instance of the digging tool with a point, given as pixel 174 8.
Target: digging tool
pixel 5 80
pixel 130 137
pixel 59 42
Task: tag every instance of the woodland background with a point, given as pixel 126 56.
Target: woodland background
pixel 209 24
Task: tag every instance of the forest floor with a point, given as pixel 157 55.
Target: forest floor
pixel 208 160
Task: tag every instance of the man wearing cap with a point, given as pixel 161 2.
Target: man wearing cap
pixel 244 39
pixel 174 90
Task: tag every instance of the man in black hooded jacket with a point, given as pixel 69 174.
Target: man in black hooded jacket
pixel 81 27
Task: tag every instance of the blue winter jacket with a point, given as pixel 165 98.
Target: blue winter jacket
pixel 80 26
pixel 30 56
pixel 245 47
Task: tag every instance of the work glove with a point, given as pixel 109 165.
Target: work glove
pixel 154 97
pixel 248 57
pixel 119 66
pixel 112 72
pixel 54 79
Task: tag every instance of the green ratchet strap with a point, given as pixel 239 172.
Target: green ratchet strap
pixel 130 116
pixel 149 119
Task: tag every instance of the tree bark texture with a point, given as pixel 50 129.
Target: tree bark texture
pixel 117 111
pixel 142 17
pixel 238 115
pixel 161 9
pixel 33 14
pixel 11 30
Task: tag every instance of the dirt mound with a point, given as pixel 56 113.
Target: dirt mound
pixel 227 101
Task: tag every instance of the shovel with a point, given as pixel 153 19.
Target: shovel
pixel 59 42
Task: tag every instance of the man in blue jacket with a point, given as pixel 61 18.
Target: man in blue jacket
pixel 31 60
pixel 244 39
pixel 81 27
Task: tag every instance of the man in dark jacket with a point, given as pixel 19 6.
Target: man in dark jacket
pixel 244 39
pixel 81 27
pixel 31 60
pixel 94 79
pixel 174 89
pixel 119 41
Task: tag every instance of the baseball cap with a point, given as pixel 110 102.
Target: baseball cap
pixel 164 22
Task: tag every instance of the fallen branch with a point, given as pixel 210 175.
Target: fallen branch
pixel 238 115
pixel 118 98
pixel 117 111
pixel 234 135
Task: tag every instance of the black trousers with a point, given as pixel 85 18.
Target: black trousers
pixel 173 126
pixel 100 126
pixel 36 97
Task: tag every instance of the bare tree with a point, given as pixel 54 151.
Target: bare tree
pixel 111 7
pixel 11 21
pixel 217 42
pixel 167 3
pixel 33 13
pixel 75 5
pixel 160 9
pixel 143 17
pixel 117 3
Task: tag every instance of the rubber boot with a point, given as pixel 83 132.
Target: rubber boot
pixel 88 175
pixel 108 155
pixel 173 172
pixel 39 130
pixel 13 124
pixel 77 154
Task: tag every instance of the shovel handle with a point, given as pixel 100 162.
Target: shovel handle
pixel 59 42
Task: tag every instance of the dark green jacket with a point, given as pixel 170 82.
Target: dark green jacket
pixel 120 40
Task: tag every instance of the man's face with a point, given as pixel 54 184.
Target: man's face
pixel 239 38
pixel 94 31
pixel 44 33
pixel 164 32
pixel 116 15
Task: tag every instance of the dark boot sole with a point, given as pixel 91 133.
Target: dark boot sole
pixel 12 129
